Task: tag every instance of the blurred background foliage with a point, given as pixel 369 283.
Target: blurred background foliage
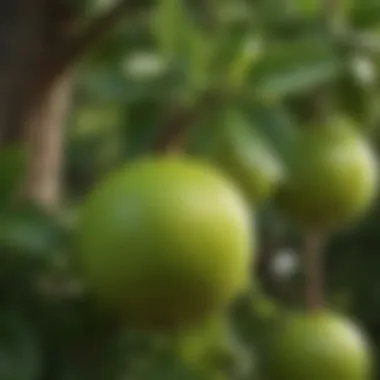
pixel 271 61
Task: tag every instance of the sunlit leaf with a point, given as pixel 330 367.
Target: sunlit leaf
pixel 293 68
pixel 246 56
pixel 273 122
pixel 171 25
pixel 182 42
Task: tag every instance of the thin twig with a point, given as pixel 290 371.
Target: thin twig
pixel 313 271
pixel 174 129
pixel 181 119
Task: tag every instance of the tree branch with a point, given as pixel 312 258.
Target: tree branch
pixel 83 40
pixel 312 256
pixel 100 26
pixel 181 119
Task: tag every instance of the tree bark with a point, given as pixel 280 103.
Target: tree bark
pixel 20 48
pixel 45 141
pixel 32 34
pixel 39 42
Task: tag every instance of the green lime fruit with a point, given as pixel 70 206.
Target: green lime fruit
pixel 203 343
pixel 212 348
pixel 315 346
pixel 247 158
pixel 165 241
pixel 331 178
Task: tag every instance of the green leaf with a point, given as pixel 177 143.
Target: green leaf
pixel 300 79
pixel 145 120
pixel 272 11
pixel 116 87
pixel 308 7
pixel 294 68
pixel 274 123
pixel 243 153
pixel 211 350
pixel 365 14
pixel 138 76
pixel 270 123
pixel 247 53
pixel 171 24
pixel 97 118
pixel 183 43
pixel 20 351
pixel 104 85
pixel 125 38
pixel 201 50
pixel 28 237
pixel 13 161
pixel 317 8
pixel 357 92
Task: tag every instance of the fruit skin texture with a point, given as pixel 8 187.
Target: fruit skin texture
pixel 316 346
pixel 164 241
pixel 331 178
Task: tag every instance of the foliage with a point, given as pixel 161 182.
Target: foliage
pixel 278 64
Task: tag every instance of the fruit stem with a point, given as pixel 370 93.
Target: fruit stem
pixel 174 128
pixel 312 261
pixel 180 119
pixel 321 107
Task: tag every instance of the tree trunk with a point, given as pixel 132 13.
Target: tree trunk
pixel 32 105
pixel 45 145
pixel 39 41
pixel 20 47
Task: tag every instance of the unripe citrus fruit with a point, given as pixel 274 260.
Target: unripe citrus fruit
pixel 166 240
pixel 332 176
pixel 212 347
pixel 317 346
pixel 246 157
